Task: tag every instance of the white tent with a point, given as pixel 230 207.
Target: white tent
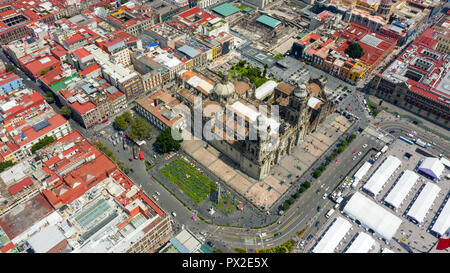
pixel 382 174
pixel 387 250
pixel 424 201
pixel 443 221
pixel 362 244
pixel 402 188
pixel 372 216
pixel 333 236
pixel 362 171
pixel 432 166
pixel 266 89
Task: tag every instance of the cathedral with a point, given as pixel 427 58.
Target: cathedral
pixel 254 136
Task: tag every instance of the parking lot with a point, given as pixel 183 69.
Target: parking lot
pixel 410 237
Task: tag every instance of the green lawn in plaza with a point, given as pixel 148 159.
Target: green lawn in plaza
pixel 192 182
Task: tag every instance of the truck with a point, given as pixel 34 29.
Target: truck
pixel 141 155
pixel 421 143
pixel 329 213
pixel 339 200
pixel 384 149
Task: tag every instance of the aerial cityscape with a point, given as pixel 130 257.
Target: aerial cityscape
pixel 213 126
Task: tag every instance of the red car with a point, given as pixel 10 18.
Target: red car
pixel 130 159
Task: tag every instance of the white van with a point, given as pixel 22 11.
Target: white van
pixel 329 213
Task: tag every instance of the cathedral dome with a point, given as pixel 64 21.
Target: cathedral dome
pixel 301 91
pixel 225 89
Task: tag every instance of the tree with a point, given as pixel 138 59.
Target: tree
pixel 166 143
pixel 354 50
pixel 10 68
pixel 5 165
pixel 302 189
pixel 42 143
pixel 322 168
pixel 123 167
pixel 340 149
pixel 317 173
pixel 285 206
pixel 105 150
pixel 296 195
pixel 127 116
pixel 344 143
pixel 291 201
pixel 307 184
pixel 120 123
pixel 331 157
pixel 65 111
pixel 49 97
pixel 140 129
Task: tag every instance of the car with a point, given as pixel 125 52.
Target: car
pixel 155 197
pixel 302 243
pixel 157 193
pixel 324 196
pixel 317 224
pixel 131 170
pixel 262 235
pixel 130 159
pixel 193 218
pixel 211 244
pixel 318 191
pixel 365 145
pixel 354 152
pixel 360 153
pixel 354 157
pixel 277 234
pixel 174 214
pixel 319 209
pixel 309 237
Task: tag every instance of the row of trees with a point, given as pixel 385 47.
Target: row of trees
pixel 340 148
pixel 105 150
pixel 287 204
pixel 5 165
pixel 42 143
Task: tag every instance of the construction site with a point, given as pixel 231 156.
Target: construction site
pixel 273 30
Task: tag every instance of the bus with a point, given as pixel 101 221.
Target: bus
pixel 142 155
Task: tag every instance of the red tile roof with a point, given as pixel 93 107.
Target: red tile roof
pixel 81 52
pixel 30 134
pixel 19 186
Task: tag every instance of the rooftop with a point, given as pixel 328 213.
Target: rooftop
pixel 268 21
pixel 226 9
pixel 24 215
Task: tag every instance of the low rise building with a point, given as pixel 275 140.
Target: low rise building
pixel 418 80
pixel 92 100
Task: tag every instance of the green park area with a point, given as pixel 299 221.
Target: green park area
pixel 254 74
pixel 192 182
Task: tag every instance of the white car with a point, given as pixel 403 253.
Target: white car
pixel 365 145
pixel 360 153
pixel 174 214
pixel 157 193
pixel 324 196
